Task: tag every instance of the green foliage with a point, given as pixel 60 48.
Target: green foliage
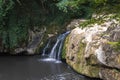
pixel 99 20
pixel 17 16
pixel 107 6
pixel 76 8
pixel 67 5
pixel 5 7
pixel 17 35
pixel 81 8
pixel 85 8
pixel 91 21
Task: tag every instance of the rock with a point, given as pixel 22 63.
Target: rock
pixel 19 50
pixel 36 39
pixel 74 23
pixel 89 52
pixel 76 57
pixel 112 55
pixel 51 35
pixel 26 46
pixel 110 74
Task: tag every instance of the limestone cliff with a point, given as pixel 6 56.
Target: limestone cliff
pixel 92 51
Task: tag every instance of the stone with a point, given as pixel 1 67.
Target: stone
pixel 89 52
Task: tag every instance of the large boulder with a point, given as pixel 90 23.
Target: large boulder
pixel 94 51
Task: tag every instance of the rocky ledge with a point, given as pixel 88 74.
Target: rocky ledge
pixel 94 51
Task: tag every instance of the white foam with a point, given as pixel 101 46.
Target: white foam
pixel 50 60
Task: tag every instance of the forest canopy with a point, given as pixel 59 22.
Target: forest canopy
pixel 18 16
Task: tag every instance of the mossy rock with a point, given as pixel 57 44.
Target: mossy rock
pixel 110 74
pixel 64 47
pixel 84 66
pixel 75 57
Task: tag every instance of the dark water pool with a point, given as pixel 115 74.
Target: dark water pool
pixel 32 68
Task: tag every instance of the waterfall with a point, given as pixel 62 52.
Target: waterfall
pixel 56 50
pixel 55 53
pixel 46 47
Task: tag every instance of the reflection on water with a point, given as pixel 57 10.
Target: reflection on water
pixel 50 60
pixel 64 76
pixel 32 68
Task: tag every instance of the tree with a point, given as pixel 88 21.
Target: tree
pixel 5 7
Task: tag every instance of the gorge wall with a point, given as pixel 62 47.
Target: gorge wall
pixel 94 50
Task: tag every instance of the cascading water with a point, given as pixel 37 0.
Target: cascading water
pixel 56 50
pixel 46 47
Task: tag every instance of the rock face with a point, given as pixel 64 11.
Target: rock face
pixel 34 42
pixel 92 51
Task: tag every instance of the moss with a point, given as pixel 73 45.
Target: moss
pixel 87 70
pixel 82 66
pixel 115 45
pixel 64 47
pixel 63 52
pixel 110 74
pixel 90 22
pixel 101 18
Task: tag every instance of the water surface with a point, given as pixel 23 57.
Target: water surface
pixel 33 68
